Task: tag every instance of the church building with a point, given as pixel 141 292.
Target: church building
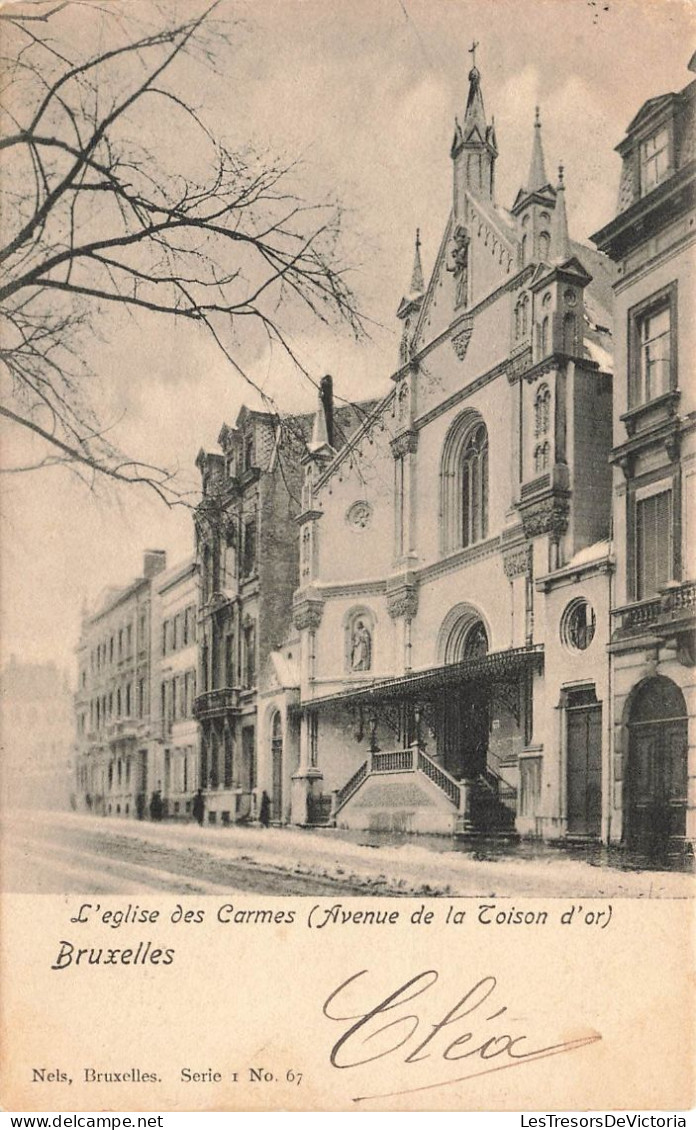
pixel 449 671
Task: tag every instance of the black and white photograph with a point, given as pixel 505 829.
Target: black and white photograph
pixel 348 476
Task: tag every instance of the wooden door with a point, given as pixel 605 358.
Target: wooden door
pixel 584 776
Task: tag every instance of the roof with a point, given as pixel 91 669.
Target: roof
pixel 495 667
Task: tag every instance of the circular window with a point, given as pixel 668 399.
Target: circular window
pixel 359 515
pixel 578 625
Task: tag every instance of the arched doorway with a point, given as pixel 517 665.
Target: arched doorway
pixel 277 767
pixel 657 767
pixel 466 707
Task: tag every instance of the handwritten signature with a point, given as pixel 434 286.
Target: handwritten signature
pixel 470 1030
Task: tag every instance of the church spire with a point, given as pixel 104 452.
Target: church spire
pixel 537 178
pixel 560 249
pixel 474 115
pixel 417 283
pixel 474 148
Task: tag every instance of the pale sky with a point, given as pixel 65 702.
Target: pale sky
pixel 365 92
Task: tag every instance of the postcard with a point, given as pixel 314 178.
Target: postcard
pixel 347 693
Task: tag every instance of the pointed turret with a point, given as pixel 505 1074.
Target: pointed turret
pixel 537 179
pixel 474 115
pixel 473 149
pixel 322 431
pixel 417 284
pixel 560 249
pixel 411 303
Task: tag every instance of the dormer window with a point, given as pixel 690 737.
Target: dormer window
pixel 654 161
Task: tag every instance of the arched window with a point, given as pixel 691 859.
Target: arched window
pixel 474 487
pixel 542 407
pixel 522 316
pixel 464 483
pixel 476 641
pixel 541 457
pixel 463 635
pixel 544 242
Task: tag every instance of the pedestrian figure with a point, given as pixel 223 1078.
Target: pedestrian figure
pixel 265 810
pixel 156 805
pixel 198 807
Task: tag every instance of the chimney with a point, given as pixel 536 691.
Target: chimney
pixel 154 562
pixel 326 397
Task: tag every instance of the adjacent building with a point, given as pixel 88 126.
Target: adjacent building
pixel 175 664
pixel 248 552
pixel 653 620
pixel 118 764
pixel 37 736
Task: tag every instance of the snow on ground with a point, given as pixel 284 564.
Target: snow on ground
pixel 405 868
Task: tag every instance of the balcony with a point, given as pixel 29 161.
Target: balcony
pixel 122 728
pixel 217 703
pixel 668 614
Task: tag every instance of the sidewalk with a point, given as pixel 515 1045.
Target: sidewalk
pixel 409 867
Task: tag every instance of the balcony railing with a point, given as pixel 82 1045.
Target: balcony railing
pixel 217 703
pixel 675 603
pixel 122 728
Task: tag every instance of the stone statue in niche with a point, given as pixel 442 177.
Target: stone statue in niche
pixel 460 265
pixel 360 647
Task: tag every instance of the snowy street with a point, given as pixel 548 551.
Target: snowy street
pixel 61 853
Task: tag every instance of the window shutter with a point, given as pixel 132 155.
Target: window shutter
pixel 654 543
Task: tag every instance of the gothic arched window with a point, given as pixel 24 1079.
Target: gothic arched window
pixel 544 243
pixel 522 316
pixel 476 641
pixel 474 486
pixel 464 483
pixel 542 408
pixel 541 457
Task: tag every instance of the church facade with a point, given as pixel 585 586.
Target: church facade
pixel 449 670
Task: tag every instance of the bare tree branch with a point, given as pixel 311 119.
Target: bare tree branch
pixel 92 218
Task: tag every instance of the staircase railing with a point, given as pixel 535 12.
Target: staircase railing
pixel 343 795
pixel 440 777
pixel 400 761
pixel 393 761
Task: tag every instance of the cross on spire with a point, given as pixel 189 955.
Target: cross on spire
pixel 472 52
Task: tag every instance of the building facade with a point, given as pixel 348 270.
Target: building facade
pixel 118 760
pixel 653 622
pixel 37 736
pixel 450 666
pixel 175 663
pixel 248 553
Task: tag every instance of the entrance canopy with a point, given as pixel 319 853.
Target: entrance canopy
pixel 497 666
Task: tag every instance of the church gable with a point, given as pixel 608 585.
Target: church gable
pixel 439 304
pixel 474 259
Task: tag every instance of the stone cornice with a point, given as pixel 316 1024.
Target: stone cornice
pixel 458 559
pixel 374 587
pixel 405 444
